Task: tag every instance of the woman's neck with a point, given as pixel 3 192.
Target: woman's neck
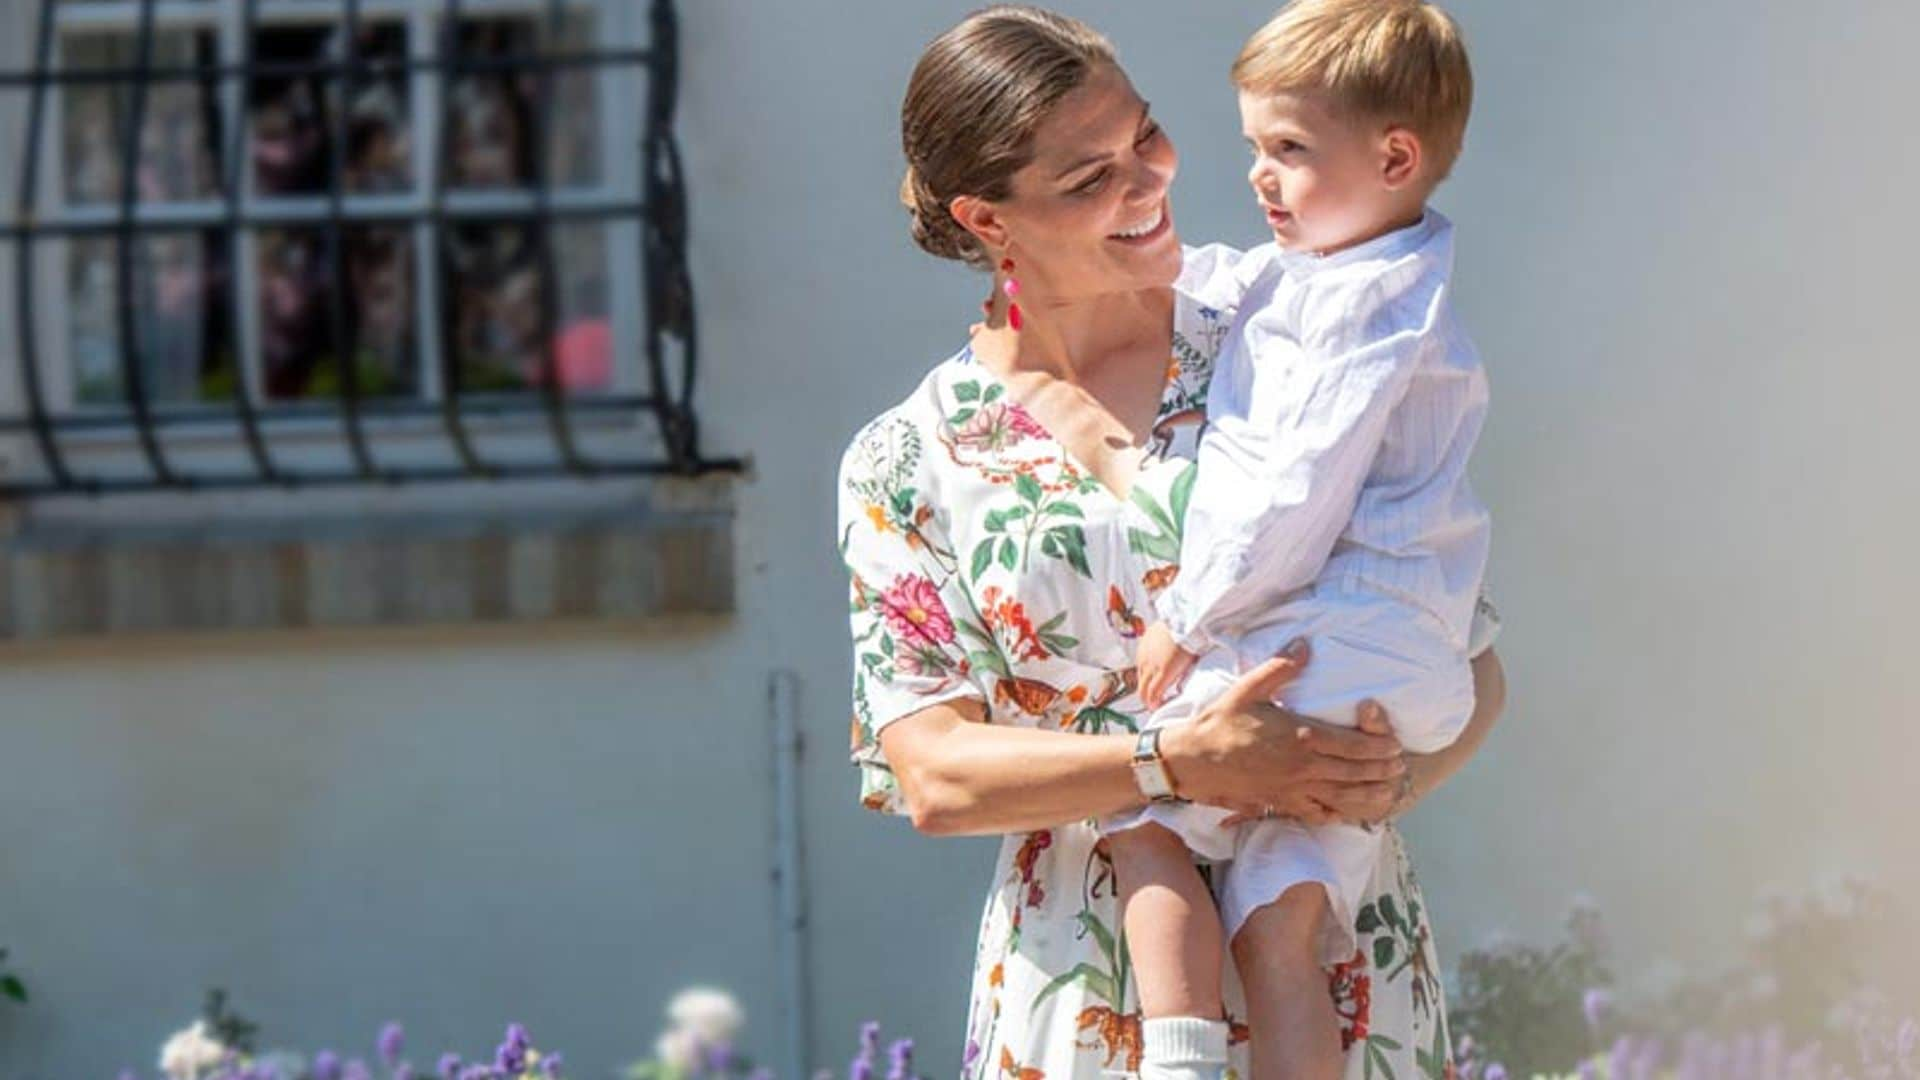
pixel 1069 339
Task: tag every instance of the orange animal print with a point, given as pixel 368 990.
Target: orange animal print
pixel 1014 1071
pixel 1121 615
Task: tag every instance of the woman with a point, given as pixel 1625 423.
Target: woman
pixel 1007 527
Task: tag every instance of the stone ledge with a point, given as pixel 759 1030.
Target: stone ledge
pixel 669 553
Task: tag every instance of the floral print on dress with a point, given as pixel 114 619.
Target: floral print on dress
pixel 988 566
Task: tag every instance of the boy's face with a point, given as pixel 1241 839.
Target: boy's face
pixel 1322 178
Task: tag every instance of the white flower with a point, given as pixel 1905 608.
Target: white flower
pixel 678 1049
pixel 189 1052
pixel 710 1015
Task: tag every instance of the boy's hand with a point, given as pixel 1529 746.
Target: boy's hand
pixel 1163 665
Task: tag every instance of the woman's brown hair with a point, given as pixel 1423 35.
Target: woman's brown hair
pixel 975 100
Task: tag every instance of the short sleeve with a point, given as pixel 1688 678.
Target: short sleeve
pixel 904 581
pixel 1486 625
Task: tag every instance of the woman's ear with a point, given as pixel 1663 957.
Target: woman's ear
pixel 982 219
pixel 1400 158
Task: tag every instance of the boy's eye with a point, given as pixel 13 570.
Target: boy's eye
pixel 1288 146
pixel 1147 136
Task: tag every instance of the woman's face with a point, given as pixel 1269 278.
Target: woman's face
pixel 1089 215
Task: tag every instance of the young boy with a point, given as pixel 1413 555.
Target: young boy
pixel 1331 504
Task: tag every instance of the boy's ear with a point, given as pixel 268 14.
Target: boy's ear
pixel 982 219
pixel 1401 156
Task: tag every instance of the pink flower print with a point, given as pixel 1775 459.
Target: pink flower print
pixel 915 614
pixel 1022 421
pixel 998 426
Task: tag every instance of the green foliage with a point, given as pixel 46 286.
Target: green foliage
pixel 229 1027
pixel 10 984
pixel 1522 1004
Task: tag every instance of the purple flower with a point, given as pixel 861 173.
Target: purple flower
pixel 900 1059
pixel 478 1072
pixel 326 1065
pixel 449 1066
pixel 1496 1071
pixel 517 1035
pixel 403 1071
pixel 1622 1057
pixel 356 1070
pixel 1598 1005
pixel 718 1058
pixel 551 1065
pixel 860 1069
pixel 393 1039
pixel 510 1057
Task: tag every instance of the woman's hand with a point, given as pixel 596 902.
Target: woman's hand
pixel 1250 756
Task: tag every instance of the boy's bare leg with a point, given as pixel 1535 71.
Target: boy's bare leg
pixel 1296 1032
pixel 1173 928
pixel 1174 936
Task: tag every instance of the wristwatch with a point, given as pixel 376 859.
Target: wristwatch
pixel 1150 769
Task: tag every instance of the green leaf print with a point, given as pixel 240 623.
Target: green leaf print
pixel 1009 554
pixel 1179 495
pixel 1391 913
pixel 1102 937
pixel 1099 983
pixel 1027 488
pixel 1072 540
pixel 982 558
pixel 989 660
pixel 993 394
pixel 1098 720
pixel 1369 920
pixel 966 391
pixel 1151 505
pixel 1383 952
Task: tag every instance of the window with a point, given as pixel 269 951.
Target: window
pixel 332 241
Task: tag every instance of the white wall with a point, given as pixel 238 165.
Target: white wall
pixel 1682 254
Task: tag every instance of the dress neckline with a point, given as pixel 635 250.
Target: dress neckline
pixel 1169 387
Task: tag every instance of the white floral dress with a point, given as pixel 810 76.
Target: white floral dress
pixel 987 564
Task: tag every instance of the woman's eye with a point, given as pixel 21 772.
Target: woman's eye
pixel 1092 184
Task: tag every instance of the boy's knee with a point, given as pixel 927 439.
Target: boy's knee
pixel 1290 927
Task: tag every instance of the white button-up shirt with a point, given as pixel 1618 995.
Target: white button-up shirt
pixel 1340 418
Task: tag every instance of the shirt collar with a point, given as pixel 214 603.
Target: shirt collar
pixel 1393 245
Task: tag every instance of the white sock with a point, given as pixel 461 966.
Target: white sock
pixel 1183 1048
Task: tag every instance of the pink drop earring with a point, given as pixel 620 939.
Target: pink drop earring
pixel 1011 287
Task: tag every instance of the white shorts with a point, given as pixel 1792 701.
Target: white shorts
pixel 1364 647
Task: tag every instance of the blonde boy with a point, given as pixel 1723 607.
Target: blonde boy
pixel 1331 504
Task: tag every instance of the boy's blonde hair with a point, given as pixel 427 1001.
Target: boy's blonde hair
pixel 1400 61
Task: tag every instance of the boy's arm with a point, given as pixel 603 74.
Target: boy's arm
pixel 1282 467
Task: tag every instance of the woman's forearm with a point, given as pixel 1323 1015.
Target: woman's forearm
pixel 961 776
pixel 1429 771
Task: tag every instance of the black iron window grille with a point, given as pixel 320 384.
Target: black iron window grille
pixel 287 229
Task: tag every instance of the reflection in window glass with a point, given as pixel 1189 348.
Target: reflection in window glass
pixel 182 333
pixel 292 118
pixel 493 116
pixel 179 137
pixel 297 347
pixel 494 285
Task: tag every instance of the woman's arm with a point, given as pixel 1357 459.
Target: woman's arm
pixel 962 776
pixel 1426 772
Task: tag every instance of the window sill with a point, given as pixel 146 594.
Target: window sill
pixel 611 550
